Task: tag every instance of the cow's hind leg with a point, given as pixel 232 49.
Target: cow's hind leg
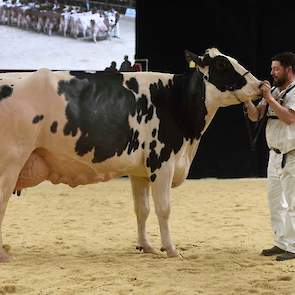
pixel 161 187
pixel 140 190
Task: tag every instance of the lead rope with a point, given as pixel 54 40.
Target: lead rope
pixel 258 126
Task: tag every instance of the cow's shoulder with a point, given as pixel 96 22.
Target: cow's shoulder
pixel 180 108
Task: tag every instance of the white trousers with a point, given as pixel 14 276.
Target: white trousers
pixel 281 198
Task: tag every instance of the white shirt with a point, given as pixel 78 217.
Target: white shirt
pixel 280 135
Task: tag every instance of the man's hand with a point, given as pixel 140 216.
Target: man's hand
pixel 265 88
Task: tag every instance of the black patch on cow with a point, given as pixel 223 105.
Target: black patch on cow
pixel 142 145
pixel 99 106
pixel 153 144
pixel 53 127
pixel 223 75
pixel 180 107
pixel 150 113
pixel 5 91
pixel 132 84
pixel 134 143
pixel 37 119
pixel 153 177
pixel 143 110
pixel 154 132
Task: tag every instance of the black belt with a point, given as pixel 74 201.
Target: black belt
pixel 272 117
pixel 284 158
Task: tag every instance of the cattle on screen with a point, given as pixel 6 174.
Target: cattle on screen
pixel 80 128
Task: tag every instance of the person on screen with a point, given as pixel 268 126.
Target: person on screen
pixel 114 17
pixel 126 65
pixel 87 5
pixel 112 67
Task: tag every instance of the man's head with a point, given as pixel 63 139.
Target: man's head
pixel 283 69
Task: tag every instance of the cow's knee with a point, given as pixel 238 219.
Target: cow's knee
pixel 163 210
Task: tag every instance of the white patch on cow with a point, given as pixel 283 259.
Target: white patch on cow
pixel 212 52
pixel 183 159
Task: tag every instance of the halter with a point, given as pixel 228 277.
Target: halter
pixel 246 73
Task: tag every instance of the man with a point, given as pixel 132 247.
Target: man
pixel 112 67
pixel 279 103
pixel 87 5
pixel 114 17
pixel 126 65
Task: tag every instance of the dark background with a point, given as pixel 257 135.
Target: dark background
pixel 250 31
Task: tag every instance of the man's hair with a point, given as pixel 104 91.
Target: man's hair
pixel 286 59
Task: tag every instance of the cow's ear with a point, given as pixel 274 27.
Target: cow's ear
pixel 198 60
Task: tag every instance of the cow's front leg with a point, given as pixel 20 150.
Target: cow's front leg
pixel 3 204
pixel 7 183
pixel 140 190
pixel 161 186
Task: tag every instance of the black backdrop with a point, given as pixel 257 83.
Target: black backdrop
pixel 251 31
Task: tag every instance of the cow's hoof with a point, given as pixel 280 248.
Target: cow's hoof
pixel 4 257
pixel 146 249
pixel 171 252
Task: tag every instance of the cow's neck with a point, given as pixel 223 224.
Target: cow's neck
pixel 206 97
pixel 211 103
pixel 185 100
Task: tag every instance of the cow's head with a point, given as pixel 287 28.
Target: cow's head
pixel 224 74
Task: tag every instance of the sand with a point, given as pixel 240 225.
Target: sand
pixel 82 241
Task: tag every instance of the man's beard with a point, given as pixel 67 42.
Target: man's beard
pixel 280 82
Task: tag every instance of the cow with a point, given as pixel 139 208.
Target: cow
pixel 81 127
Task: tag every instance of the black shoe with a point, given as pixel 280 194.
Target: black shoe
pixel 285 256
pixel 272 251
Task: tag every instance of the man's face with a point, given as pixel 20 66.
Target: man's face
pixel 279 73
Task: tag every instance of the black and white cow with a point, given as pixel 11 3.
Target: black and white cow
pixel 80 128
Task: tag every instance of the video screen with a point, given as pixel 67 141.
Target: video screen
pixel 66 35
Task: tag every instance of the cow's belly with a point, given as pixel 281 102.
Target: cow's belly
pixel 60 168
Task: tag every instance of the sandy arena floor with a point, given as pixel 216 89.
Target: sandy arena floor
pixel 82 241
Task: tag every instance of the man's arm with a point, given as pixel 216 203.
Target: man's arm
pixel 284 114
pixel 255 113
